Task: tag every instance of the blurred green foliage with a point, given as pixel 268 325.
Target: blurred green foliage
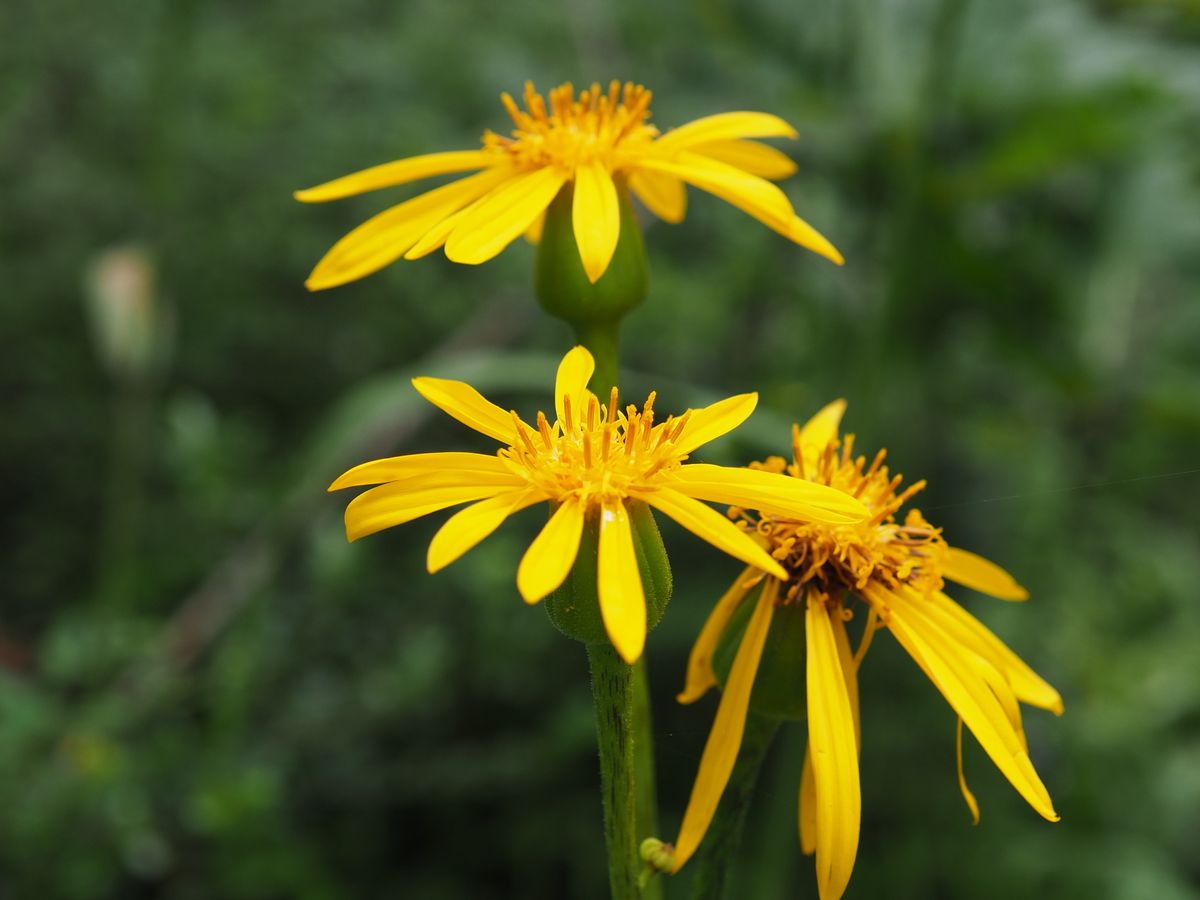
pixel 205 693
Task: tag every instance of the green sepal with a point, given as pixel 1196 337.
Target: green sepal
pixel 574 608
pixel 779 685
pixel 561 284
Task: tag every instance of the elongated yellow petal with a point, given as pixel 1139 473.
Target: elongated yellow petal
pixel 394 468
pixel 550 557
pixel 435 237
pixel 724 127
pixel 399 172
pixel 834 751
pixel 979 574
pixel 503 215
pixel 777 495
pixel 749 193
pixel 972 803
pixel 808 806
pixel 571 381
pixel 968 694
pixel 384 238
pixel 469 526
pixel 819 431
pixel 849 670
pixel 725 739
pixel 596 218
pixel 619 584
pixel 461 401
pixel 400 502
pixel 700 674
pixel 714 420
pixel 533 233
pixel 664 195
pixel 708 524
pixel 800 232
pixel 1029 687
pixel 750 156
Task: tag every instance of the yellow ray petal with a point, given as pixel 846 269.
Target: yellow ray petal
pixel 776 495
pixel 800 232
pixel 663 195
pixel 435 237
pixel 972 803
pixel 550 557
pixel 724 127
pixel 808 806
pixel 400 502
pixel 968 694
pixel 750 156
pixel 1029 687
pixel 725 739
pixel 709 423
pixel 700 674
pixel 819 431
pixel 834 751
pixel 619 584
pixel 749 193
pixel 469 526
pixel 384 238
pixel 596 218
pixel 503 215
pixel 461 401
pixel 394 468
pixel 982 575
pixel 574 372
pixel 708 524
pixel 533 233
pixel 849 670
pixel 400 171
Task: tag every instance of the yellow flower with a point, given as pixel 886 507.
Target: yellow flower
pixel 601 143
pixel 593 461
pixel 896 571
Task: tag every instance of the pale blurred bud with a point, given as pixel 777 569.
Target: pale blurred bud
pixel 129 327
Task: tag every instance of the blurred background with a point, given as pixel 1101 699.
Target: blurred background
pixel 206 693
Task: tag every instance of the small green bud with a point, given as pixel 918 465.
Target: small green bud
pixel 658 854
pixel 574 608
pixel 562 285
pixel 780 689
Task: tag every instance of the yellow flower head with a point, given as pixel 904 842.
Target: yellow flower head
pixel 896 570
pixel 600 143
pixel 593 461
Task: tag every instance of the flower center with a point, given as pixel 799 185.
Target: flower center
pixel 840 558
pixel 599 127
pixel 598 454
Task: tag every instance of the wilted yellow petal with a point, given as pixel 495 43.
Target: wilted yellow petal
pixel 700 675
pixel 461 401
pixel 596 218
pixel 834 751
pixel 400 171
pixel 725 739
pixel 550 557
pixel 750 156
pixel 972 803
pixel 777 495
pixel 664 195
pixel 501 217
pixel 469 526
pixel 979 574
pixel 574 372
pixel 724 127
pixel 619 584
pixel 705 522
pixel 712 421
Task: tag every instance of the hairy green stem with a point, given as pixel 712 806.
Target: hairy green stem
pixel 715 856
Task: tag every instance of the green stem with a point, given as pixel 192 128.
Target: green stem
pixel 645 791
pixel 613 693
pixel 601 340
pixel 715 856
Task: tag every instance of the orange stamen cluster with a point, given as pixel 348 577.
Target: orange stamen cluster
pixel 598 454
pixel 599 126
pixel 836 559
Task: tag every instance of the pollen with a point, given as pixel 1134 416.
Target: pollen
pixel 599 454
pixel 609 127
pixel 836 559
